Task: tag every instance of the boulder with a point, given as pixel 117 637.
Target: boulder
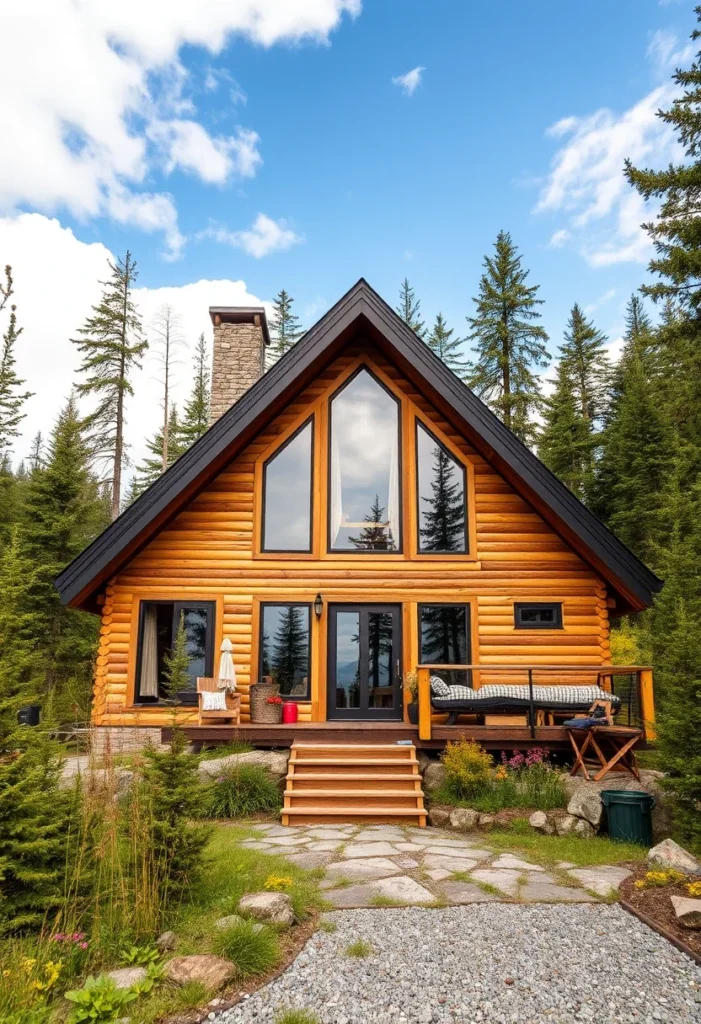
pixel 92 778
pixel 688 911
pixel 125 977
pixel 274 762
pixel 486 822
pixel 212 971
pixel 230 921
pixel 439 817
pixel 650 782
pixel 540 822
pixel 669 854
pixel 433 777
pixel 585 803
pixel 565 824
pixel 423 759
pixel 166 941
pixel 584 828
pixel 271 907
pixel 464 818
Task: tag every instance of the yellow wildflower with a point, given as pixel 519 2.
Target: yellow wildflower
pixel 694 888
pixel 276 883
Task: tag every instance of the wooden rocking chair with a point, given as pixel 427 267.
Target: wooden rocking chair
pixel 233 703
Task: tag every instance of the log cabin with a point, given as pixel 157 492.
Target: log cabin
pixel 355 517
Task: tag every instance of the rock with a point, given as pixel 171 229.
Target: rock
pixel 486 822
pixel 650 782
pixel 272 907
pixel 93 779
pixel 166 941
pixel 433 777
pixel 274 762
pixel 669 854
pixel 688 911
pixel 603 879
pixel 584 829
pixel 540 822
pixel 464 818
pixel 423 759
pixel 125 977
pixel 566 824
pixel 585 803
pixel 439 817
pixel 230 921
pixel 212 971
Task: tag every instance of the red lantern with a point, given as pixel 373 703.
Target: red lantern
pixel 289 712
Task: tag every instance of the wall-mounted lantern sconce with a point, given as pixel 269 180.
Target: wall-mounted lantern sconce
pixel 318 606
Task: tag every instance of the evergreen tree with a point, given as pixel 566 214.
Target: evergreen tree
pixel 509 344
pixel 176 669
pixel 284 324
pixel 409 308
pixel 443 520
pixel 588 364
pixel 36 453
pixel 374 537
pixel 112 344
pixel 565 441
pixel 290 650
pixel 166 328
pixel 447 348
pixel 196 417
pixel 12 398
pixel 151 468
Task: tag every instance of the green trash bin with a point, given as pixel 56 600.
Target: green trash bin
pixel 629 815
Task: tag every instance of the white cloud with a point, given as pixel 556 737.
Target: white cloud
pixel 666 53
pixel 51 306
pixel 558 238
pixel 409 82
pixel 601 301
pixel 95 98
pixel 263 237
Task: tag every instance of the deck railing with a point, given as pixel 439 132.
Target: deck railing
pixel 632 683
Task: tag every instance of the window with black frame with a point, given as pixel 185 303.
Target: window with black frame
pixel 158 625
pixel 285 647
pixel 539 615
pixel 444 639
pixel 287 494
pixel 441 489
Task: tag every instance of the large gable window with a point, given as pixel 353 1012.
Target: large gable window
pixel 287 494
pixel 364 472
pixel 285 639
pixel 441 497
pixel 158 625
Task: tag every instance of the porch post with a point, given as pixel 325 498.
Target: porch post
pixel 647 703
pixel 424 704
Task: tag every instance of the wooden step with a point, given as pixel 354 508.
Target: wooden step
pixel 347 782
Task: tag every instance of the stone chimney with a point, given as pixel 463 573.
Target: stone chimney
pixel 238 360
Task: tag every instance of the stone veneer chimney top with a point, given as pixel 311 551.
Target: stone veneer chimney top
pixel 238 359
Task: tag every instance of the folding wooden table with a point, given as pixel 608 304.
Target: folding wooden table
pixel 606 748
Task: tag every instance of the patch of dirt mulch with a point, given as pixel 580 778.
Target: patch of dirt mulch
pixel 291 942
pixel 655 903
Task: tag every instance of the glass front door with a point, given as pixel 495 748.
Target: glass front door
pixel 365 662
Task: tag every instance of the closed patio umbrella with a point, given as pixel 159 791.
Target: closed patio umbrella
pixel 227 672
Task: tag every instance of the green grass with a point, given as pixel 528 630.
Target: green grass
pixel 327 926
pixel 387 901
pixel 548 850
pixel 167 1001
pixel 225 750
pixel 359 949
pixel 536 789
pixel 296 1017
pixel 239 791
pixel 253 950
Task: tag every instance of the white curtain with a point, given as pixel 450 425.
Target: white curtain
pixel 336 509
pixel 148 680
pixel 393 498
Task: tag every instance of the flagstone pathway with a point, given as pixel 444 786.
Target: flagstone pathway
pixel 389 865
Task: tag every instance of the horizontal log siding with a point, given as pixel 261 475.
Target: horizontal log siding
pixel 208 551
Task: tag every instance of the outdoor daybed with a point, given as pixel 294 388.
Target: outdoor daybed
pixel 463 700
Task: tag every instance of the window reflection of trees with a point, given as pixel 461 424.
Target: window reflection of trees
pixel 286 656
pixel 441 482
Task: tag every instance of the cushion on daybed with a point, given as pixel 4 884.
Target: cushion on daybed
pixel 439 688
pixel 517 696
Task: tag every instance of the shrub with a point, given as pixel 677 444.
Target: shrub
pixel 254 950
pixel 467 767
pixel 99 1000
pixel 139 955
pixel 296 1017
pixel 359 948
pixel 694 889
pixel 658 879
pixel 240 790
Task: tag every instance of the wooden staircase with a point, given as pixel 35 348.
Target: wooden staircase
pixel 353 782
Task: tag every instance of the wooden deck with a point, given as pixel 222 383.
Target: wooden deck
pixel 492 737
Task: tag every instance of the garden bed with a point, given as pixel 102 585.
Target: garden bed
pixel 655 904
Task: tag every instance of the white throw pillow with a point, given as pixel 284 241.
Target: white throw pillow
pixel 213 701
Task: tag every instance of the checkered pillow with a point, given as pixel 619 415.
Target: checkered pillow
pixel 549 694
pixel 439 688
pixel 462 693
pixel 213 700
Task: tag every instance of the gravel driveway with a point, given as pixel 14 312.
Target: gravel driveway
pixel 488 963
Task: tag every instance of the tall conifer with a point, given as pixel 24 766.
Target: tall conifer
pixel 112 344
pixel 509 343
pixel 195 419
pixel 409 308
pixel 152 467
pixel 565 440
pixel 447 348
pixel 284 324
pixel 166 329
pixel 12 397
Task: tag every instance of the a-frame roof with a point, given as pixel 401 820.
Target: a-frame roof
pixel 360 311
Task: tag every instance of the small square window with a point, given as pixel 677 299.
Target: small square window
pixel 538 616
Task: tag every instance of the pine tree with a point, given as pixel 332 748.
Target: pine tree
pixel 565 442
pixel 284 324
pixel 588 364
pixel 374 537
pixel 290 650
pixel 12 398
pixel 36 452
pixel 112 345
pixel 151 468
pixel 447 348
pixel 176 668
pixel 166 328
pixel 196 417
pixel 443 519
pixel 409 309
pixel 509 344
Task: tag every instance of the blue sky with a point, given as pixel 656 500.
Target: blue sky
pixel 292 114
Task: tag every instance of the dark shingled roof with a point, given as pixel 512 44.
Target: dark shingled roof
pixel 360 311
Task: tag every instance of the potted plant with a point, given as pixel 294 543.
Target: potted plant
pixel 411 688
pixel 274 705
